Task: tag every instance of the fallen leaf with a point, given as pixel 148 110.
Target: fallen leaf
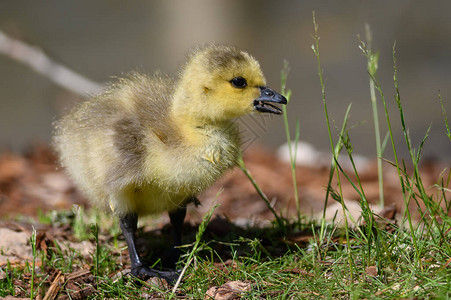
pixel 229 291
pixel 12 167
pixel 14 245
pixel 227 266
pixel 371 271
pixel 85 248
pixel 160 283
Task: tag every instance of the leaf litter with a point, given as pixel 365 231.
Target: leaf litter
pixel 32 185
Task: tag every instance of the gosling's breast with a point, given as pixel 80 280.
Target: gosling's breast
pixel 190 169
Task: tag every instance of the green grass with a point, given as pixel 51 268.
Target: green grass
pixel 378 259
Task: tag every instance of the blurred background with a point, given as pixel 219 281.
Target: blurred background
pixel 103 39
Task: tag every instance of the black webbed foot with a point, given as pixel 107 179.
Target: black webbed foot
pixel 144 272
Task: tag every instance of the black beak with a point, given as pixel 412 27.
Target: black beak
pixel 268 96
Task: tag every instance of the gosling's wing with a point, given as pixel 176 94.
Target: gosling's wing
pixel 143 127
pixel 152 97
pixel 102 142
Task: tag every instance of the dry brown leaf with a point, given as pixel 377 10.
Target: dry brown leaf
pixel 12 166
pixel 227 266
pixel 85 248
pixel 77 285
pixel 14 245
pixel 229 291
pixel 371 271
pixel 160 283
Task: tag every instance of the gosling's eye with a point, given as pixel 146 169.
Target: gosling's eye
pixel 239 82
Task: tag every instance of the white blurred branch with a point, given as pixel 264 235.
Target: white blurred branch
pixel 36 59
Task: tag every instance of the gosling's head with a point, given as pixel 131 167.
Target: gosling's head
pixel 220 83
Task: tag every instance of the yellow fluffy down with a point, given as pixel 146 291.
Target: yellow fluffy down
pixel 149 143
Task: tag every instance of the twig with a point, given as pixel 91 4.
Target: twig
pixel 37 60
pixel 55 287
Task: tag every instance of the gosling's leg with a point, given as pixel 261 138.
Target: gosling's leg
pixel 129 224
pixel 177 218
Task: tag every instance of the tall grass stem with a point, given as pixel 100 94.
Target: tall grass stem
pixel 372 59
pixel 33 249
pixel 315 48
pixel 292 153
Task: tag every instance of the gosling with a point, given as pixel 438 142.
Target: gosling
pixel 150 144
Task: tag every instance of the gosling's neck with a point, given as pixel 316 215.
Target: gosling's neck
pixel 192 120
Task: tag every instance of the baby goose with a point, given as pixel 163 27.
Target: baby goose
pixel 151 144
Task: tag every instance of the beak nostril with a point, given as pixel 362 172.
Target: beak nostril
pixel 269 93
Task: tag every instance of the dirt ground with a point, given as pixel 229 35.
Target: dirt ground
pixel 33 182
